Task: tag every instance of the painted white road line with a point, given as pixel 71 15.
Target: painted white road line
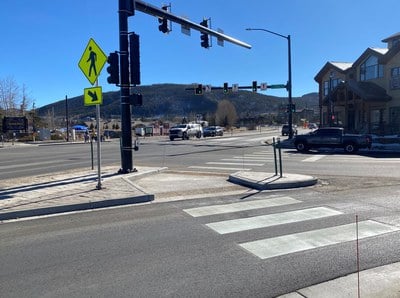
pixel 238 163
pixel 240 206
pixel 313 158
pixel 272 247
pixel 265 156
pixel 220 140
pixel 219 168
pixel 263 221
pixel 260 153
pixel 244 160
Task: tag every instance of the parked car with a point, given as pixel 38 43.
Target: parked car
pixel 286 130
pixel 312 125
pixel 212 131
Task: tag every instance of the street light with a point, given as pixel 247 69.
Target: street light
pixel 289 83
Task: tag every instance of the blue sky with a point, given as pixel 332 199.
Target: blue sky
pixel 42 42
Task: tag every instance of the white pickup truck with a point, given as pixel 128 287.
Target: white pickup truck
pixel 185 131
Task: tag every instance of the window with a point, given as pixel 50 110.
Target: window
pixel 334 83
pixel 371 69
pixel 326 88
pixel 395 71
pixel 395 78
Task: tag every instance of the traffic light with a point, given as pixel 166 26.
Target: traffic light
pixel 199 89
pixel 254 86
pixel 163 27
pixel 134 59
pixel 226 89
pixel 204 36
pixel 113 68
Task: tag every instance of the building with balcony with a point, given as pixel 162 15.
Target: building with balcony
pixel 363 96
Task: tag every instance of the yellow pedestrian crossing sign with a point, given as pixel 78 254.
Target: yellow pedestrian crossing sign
pixel 92 96
pixel 92 61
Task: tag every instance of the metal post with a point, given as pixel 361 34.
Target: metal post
pixel 275 160
pixel 98 147
pixel 66 116
pixel 280 157
pixel 289 88
pixel 91 152
pixel 126 137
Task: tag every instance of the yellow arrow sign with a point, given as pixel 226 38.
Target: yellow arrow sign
pixel 92 61
pixel 92 96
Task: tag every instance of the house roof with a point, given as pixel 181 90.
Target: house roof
pixel 338 66
pixel 342 65
pixel 390 54
pixel 387 39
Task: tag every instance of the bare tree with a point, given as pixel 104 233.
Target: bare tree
pixel 8 95
pixel 14 101
pixel 226 114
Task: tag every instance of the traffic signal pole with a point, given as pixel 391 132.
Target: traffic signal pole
pixel 127 8
pixel 126 127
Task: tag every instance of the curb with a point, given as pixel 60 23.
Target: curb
pixel 270 181
pixel 143 197
pixel 77 207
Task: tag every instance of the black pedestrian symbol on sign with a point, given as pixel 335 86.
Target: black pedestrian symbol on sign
pixel 92 58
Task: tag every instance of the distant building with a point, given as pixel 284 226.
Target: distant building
pixel 363 96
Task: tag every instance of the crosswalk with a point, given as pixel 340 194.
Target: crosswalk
pixel 290 243
pixel 245 162
pixel 254 160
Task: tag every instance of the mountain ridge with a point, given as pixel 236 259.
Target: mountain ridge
pixel 170 100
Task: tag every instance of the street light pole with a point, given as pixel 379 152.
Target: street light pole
pixel 289 83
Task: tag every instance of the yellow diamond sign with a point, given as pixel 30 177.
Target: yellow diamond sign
pixel 92 61
pixel 92 96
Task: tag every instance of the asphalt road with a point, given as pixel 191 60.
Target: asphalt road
pixel 165 250
pixel 162 249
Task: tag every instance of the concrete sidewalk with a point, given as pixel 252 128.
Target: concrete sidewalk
pixel 76 190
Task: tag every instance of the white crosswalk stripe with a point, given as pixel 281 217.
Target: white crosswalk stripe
pixel 237 163
pixel 313 158
pixel 264 221
pixel 272 247
pixel 246 161
pixel 240 206
pixel 219 168
pixel 290 243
